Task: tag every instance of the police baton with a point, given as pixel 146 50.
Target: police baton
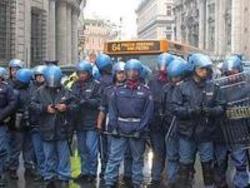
pixel 171 129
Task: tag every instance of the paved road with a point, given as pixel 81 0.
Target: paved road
pixel 28 183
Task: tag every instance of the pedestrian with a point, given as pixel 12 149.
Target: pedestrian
pixel 87 90
pixel 130 112
pixel 8 102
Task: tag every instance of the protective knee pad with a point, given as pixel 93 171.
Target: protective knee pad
pixel 208 173
pixel 183 177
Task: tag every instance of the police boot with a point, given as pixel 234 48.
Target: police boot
pixel 138 185
pixel 3 181
pixel 208 173
pixel 81 178
pixel 13 174
pixel 154 184
pixel 183 177
pixel 127 181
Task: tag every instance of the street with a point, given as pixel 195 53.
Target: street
pixel 28 183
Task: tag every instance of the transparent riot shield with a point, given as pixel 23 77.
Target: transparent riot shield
pixel 235 125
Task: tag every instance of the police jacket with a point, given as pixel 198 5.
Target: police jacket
pixel 166 105
pixel 156 88
pixel 105 81
pixel 8 102
pixel 88 94
pixel 23 96
pixel 130 110
pixel 34 118
pixel 54 126
pixel 189 97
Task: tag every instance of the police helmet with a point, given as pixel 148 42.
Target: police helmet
pixel 177 68
pixel 134 64
pixel 84 66
pixel 16 63
pixel 103 61
pixel 232 63
pixel 118 67
pixel 53 75
pixel 197 61
pixel 163 60
pixel 24 75
pixel 3 73
pixel 39 70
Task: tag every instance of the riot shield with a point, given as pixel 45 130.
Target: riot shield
pixel 235 125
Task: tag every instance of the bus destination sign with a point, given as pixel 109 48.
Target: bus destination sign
pixel 134 46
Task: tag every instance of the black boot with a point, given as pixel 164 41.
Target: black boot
pixel 154 184
pixel 183 177
pixel 208 173
pixel 81 178
pixel 13 174
pixel 3 181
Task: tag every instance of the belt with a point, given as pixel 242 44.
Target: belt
pixel 129 120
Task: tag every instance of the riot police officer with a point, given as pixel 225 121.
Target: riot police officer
pixel 104 64
pixel 176 71
pixel 20 135
pixel 130 112
pixel 119 78
pixel 7 105
pixel 194 105
pixel 157 133
pixel 38 73
pixel 234 90
pixel 87 90
pixel 14 66
pixel 54 104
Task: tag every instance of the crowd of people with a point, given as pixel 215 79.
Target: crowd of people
pixel 180 110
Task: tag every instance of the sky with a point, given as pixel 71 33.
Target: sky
pixel 112 10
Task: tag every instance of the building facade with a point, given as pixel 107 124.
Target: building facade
pixel 94 33
pixel 220 27
pixel 155 19
pixel 35 30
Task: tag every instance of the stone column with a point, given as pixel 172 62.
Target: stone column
pixel 236 26
pixel 69 36
pixel 202 24
pixel 74 21
pixel 52 30
pixel 61 31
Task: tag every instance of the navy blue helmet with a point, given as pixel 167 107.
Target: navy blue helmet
pixel 3 73
pixel 134 64
pixel 84 66
pixel 24 75
pixel 177 68
pixel 163 60
pixel 232 63
pixel 53 76
pixel 103 61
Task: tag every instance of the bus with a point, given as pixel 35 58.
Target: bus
pixel 146 51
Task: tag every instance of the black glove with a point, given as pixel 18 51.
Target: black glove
pixel 196 111
pixel 207 111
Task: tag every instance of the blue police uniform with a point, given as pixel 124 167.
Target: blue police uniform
pixel 157 131
pixel 130 112
pixel 88 93
pixel 195 129
pixel 8 102
pixel 36 135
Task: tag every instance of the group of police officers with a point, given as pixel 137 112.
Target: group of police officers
pixel 113 114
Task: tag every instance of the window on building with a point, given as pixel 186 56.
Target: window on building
pixel 7 25
pixel 169 10
pixel 38 35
